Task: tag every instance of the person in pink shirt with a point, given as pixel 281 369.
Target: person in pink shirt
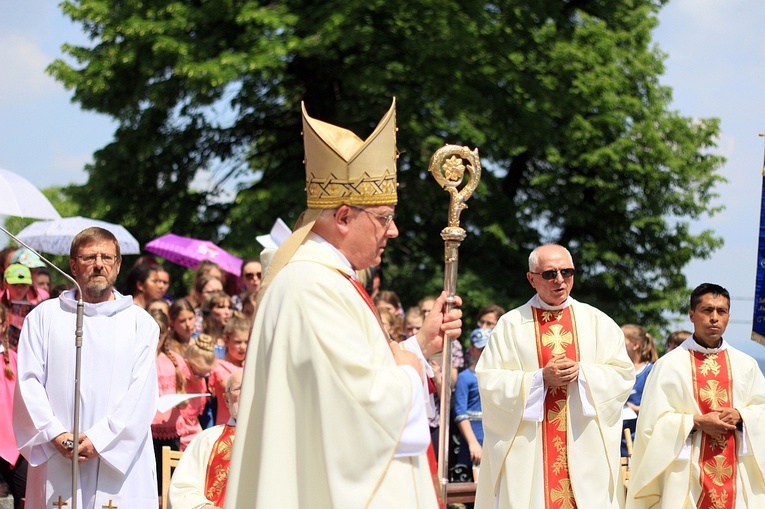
pixel 164 427
pixel 13 467
pixel 236 335
pixel 199 360
pixel 182 321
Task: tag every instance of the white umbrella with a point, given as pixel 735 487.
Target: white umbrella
pixel 18 197
pixel 56 236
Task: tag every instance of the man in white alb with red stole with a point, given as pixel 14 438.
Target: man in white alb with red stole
pixel 553 380
pixel 700 440
pixel 200 479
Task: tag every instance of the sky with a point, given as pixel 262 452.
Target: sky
pixel 715 60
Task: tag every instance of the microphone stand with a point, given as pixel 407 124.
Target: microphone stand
pixel 77 364
pixel 449 173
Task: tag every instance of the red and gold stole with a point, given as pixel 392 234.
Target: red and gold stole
pixel 556 334
pixel 218 465
pixel 713 389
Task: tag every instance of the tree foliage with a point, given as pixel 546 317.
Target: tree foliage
pixel 562 98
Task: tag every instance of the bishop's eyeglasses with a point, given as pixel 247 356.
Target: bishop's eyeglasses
pixel 386 219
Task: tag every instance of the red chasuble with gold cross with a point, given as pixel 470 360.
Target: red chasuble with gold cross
pixel 556 334
pixel 713 388
pixel 218 465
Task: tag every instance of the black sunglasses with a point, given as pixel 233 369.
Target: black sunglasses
pixel 552 274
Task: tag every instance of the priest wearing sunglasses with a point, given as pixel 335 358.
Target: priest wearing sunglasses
pixel 553 380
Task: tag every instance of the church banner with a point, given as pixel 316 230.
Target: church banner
pixel 758 321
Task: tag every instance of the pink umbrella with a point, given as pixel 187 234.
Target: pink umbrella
pixel 188 252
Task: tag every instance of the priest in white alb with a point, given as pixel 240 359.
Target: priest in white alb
pixel 200 480
pixel 118 389
pixel 700 440
pixel 333 412
pixel 553 380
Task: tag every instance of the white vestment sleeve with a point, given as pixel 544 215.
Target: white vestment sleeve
pixel 416 435
pixel 534 409
pixel 588 407
pixel 413 346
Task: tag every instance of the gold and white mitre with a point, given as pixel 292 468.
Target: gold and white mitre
pixel 340 169
pixel 343 169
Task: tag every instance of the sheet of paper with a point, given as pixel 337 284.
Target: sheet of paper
pixel 168 401
pixel 628 413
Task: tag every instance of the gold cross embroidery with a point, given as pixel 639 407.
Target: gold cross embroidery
pixel 110 506
pixel 713 394
pixel 60 503
pixel 710 364
pixel 549 315
pixel 558 338
pixel 720 471
pixel 557 416
pixel 564 495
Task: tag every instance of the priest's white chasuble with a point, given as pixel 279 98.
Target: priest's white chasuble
pixel 674 466
pixel 568 455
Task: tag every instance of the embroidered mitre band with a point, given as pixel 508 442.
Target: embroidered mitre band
pixel 343 169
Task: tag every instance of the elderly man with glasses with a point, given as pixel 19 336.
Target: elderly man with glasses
pixel 118 387
pixel 333 412
pixel 553 380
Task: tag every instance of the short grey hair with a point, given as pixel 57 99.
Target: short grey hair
pixel 230 381
pixel 534 256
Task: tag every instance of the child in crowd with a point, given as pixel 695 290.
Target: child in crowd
pixel 467 403
pixel 170 378
pixel 413 321
pixel 642 353
pixel 392 323
pixel 249 304
pixel 13 467
pixel 388 299
pixel 236 336
pixel 160 305
pixel 676 339
pixel 20 297
pixel 182 320
pixel 199 359
pixel 217 311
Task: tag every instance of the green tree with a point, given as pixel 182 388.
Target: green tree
pixel 563 100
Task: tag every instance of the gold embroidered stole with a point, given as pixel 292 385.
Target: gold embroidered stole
pixel 556 334
pixel 713 389
pixel 217 467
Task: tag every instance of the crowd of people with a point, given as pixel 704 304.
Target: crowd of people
pixel 335 402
